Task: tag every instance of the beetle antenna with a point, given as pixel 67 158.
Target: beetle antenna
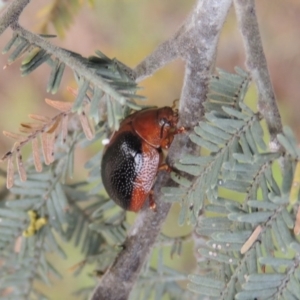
pixel 174 104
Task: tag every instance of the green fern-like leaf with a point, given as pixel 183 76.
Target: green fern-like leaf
pixel 118 88
pixel 238 162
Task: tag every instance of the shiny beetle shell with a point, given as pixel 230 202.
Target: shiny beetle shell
pixel 131 159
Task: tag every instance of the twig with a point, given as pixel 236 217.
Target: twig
pixel 257 65
pixel 161 56
pixel 11 14
pixel 196 42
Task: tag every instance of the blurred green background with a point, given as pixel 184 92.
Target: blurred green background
pixel 130 30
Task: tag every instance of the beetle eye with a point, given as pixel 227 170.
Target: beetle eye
pixel 164 122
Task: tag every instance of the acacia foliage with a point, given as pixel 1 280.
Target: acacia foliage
pixel 251 249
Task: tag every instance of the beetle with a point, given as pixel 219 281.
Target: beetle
pixel 134 155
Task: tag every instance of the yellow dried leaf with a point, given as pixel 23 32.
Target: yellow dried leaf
pixel 297 223
pixel 33 126
pixel 36 155
pixel 10 172
pixel 251 240
pixel 6 155
pixel 76 266
pixel 72 91
pixel 12 135
pixel 86 126
pixel 295 185
pixel 44 141
pixel 18 244
pixel 48 146
pixel 51 143
pixel 40 118
pixel 26 130
pixel 64 128
pixel 21 169
pixel 54 126
pixel 62 106
pixel 30 127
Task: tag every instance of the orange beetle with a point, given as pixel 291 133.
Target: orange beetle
pixel 134 155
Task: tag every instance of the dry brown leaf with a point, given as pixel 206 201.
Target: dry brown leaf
pixel 54 126
pixel 62 106
pixel 28 129
pixel 86 126
pixel 77 265
pixel 36 155
pixel 44 141
pixel 295 185
pixel 12 135
pixel 251 240
pixel 40 118
pixel 72 90
pixel 51 144
pixel 64 128
pixel 10 172
pixel 48 141
pixel 25 130
pixel 21 169
pixel 18 244
pixel 6 155
pixel 297 223
pixel 31 125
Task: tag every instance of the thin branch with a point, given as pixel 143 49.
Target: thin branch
pixel 161 56
pixel 196 42
pixel 11 14
pixel 257 65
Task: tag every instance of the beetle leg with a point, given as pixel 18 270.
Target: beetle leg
pixel 152 203
pixel 167 141
pixel 165 167
pixel 165 144
pixel 180 130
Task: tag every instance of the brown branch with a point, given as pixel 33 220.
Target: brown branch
pixel 196 42
pixel 11 14
pixel 257 65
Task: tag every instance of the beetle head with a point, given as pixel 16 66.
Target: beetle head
pixel 167 117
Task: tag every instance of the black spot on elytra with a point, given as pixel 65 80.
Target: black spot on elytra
pixel 120 166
